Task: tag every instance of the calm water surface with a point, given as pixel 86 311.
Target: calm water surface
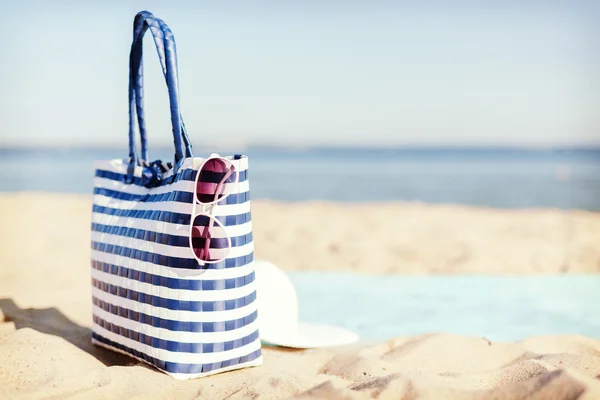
pixel 485 177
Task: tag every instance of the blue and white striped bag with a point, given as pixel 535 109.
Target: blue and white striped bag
pixel 172 250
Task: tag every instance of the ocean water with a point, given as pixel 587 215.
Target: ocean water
pixel 507 178
pixel 498 308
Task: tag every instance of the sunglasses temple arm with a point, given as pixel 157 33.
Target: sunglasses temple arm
pixel 207 230
pixel 221 186
pixel 218 191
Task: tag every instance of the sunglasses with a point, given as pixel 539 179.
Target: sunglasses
pixel 216 179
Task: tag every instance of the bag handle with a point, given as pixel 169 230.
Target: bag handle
pixel 140 26
pixel 165 44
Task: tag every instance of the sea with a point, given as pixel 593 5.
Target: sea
pixel 566 178
pixel 498 308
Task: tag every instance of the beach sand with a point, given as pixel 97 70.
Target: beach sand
pixel 45 309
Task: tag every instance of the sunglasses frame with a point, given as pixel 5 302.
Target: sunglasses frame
pixel 207 209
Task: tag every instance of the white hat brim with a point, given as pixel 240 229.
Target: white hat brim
pixel 311 336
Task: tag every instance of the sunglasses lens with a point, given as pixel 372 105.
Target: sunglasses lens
pixel 216 179
pixel 209 239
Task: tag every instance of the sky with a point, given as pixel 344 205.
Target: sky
pixel 343 73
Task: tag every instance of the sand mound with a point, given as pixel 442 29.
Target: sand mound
pixel 39 365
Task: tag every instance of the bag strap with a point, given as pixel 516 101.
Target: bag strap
pixel 139 28
pixel 165 44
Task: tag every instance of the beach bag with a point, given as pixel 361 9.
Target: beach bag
pixel 171 242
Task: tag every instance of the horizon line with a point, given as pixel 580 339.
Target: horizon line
pixel 312 147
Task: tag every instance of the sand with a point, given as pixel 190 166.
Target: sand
pixel 424 239
pixel 45 349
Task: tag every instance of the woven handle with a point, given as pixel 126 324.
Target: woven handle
pixel 165 45
pixel 140 26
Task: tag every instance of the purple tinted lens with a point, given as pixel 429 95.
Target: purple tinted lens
pixel 209 239
pixel 216 179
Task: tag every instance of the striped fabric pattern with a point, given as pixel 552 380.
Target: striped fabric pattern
pixel 151 298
